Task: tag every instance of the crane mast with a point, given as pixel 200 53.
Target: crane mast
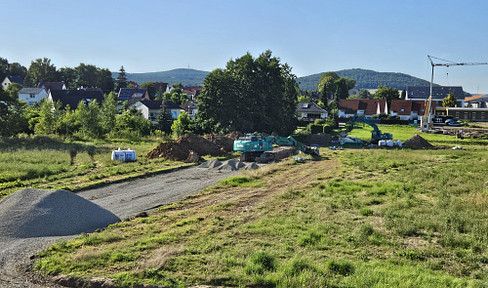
pixel 427 118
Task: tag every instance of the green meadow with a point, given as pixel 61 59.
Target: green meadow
pixel 355 218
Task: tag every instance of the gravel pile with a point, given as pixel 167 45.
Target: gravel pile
pixel 229 165
pixel 214 163
pixel 39 213
pixel 232 165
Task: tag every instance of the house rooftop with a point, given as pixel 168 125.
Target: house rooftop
pixel 30 90
pixel 51 85
pixel 309 107
pixel 16 79
pixel 438 92
pixel 152 104
pixel 74 97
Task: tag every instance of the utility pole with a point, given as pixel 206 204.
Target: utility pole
pixel 427 119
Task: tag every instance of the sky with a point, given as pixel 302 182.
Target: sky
pixel 312 36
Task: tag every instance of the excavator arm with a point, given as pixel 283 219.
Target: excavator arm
pixel 376 134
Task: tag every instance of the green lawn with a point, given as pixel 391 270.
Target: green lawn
pixel 357 218
pixel 43 162
pixel 403 133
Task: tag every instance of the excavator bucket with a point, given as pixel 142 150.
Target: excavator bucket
pixel 313 150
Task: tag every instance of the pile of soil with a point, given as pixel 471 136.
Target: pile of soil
pixel 39 213
pixel 180 149
pixel 225 142
pixel 417 142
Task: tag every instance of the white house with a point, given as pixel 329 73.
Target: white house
pixel 11 79
pixel 150 109
pixel 310 111
pixel 32 95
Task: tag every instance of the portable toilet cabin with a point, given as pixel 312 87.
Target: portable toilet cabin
pixel 124 155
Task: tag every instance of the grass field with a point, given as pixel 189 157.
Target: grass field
pixel 403 133
pixel 43 162
pixel 357 218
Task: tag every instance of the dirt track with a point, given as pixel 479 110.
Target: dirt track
pixel 123 199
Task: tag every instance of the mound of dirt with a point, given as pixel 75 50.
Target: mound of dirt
pixel 225 142
pixel 179 150
pixel 39 213
pixel 417 142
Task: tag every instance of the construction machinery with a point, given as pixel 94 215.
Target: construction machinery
pixel 376 134
pixel 426 120
pixel 258 147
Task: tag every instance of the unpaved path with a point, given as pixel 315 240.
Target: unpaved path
pixel 123 199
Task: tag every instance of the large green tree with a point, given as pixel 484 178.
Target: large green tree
pixel 40 69
pixel 387 93
pixel 69 76
pixel 104 80
pixel 165 120
pixel 108 112
pixel 250 94
pixel 11 69
pixel 121 81
pixel 449 101
pixel 11 111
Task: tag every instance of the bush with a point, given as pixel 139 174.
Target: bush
pixel 319 122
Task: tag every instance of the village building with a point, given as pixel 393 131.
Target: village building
pixel 11 79
pixel 362 107
pixel 438 93
pixel 74 97
pixel 31 95
pixel 132 95
pixel 52 86
pixel 310 111
pixel 190 107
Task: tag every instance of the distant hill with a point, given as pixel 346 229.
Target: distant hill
pixel 187 77
pixel 367 79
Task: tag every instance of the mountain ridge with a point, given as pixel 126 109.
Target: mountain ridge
pixel 365 78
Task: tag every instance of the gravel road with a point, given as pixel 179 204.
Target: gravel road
pixel 125 200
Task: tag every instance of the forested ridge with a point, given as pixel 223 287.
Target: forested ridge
pixel 365 79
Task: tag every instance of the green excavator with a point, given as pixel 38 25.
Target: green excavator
pixel 376 134
pixel 257 147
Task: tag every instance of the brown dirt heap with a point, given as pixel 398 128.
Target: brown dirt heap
pixel 179 150
pixel 417 142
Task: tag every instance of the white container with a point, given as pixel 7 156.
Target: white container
pixel 389 143
pixel 124 155
pixel 382 143
pixel 398 143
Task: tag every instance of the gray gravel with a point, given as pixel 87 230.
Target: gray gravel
pixel 124 200
pixel 31 213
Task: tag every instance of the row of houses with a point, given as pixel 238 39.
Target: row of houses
pixel 412 108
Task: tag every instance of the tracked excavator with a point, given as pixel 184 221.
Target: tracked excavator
pixel 257 147
pixel 376 134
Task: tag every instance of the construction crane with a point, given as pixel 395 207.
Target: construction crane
pixel 427 119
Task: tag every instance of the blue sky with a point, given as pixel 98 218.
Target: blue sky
pixel 311 36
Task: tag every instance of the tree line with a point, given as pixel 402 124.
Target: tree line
pixel 42 70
